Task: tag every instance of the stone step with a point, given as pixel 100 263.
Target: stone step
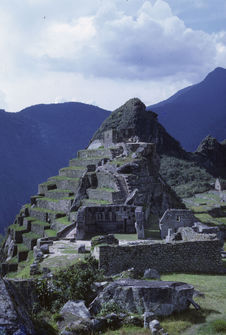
pixel 59 194
pixel 30 239
pixel 17 232
pixel 27 221
pixel 94 153
pixel 62 205
pixel 105 179
pixel 47 186
pixel 66 183
pixel 72 171
pixel 95 202
pixel 107 194
pixel 46 215
pixel 38 227
pixel 84 162
pixel 60 223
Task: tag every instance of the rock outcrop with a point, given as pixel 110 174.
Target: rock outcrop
pixel 139 296
pixel 16 298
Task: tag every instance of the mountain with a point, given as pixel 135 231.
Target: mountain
pixel 35 143
pixel 134 115
pixel 196 111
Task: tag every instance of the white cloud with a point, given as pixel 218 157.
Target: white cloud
pixel 101 50
pixel 112 44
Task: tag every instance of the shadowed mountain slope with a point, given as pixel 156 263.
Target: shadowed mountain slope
pixel 35 143
pixel 196 111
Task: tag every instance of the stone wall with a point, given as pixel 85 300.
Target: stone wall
pixel 108 219
pixel 185 257
pixel 175 218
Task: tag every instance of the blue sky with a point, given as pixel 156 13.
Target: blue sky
pixel 104 52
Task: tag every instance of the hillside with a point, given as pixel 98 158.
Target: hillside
pixel 196 111
pixel 35 143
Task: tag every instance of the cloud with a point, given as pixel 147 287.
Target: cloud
pixel 104 50
pixel 113 44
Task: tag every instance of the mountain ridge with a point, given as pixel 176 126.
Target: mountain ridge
pixel 197 109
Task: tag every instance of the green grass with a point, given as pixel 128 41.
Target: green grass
pixel 49 199
pixel 73 168
pixel 22 247
pixel 68 198
pixel 31 235
pixel 50 233
pixel 63 220
pixel 23 271
pixel 16 227
pixel 63 178
pixel 213 307
pixel 213 327
pixel 126 237
pixel 40 223
pixel 60 191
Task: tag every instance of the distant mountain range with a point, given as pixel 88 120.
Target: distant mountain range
pixel 196 111
pixel 37 141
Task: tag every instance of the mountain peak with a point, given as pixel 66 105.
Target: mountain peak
pixel 142 123
pixel 217 74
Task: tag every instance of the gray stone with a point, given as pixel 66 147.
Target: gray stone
pixel 151 274
pixel 76 309
pixel 148 317
pixel 82 249
pixel 105 239
pixel 174 219
pixel 45 248
pixel 139 296
pixel 154 324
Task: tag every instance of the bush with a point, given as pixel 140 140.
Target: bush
pixel 72 283
pixel 111 307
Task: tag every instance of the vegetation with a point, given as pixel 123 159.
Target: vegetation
pixel 71 283
pixel 207 208
pixel 185 176
pixel 50 233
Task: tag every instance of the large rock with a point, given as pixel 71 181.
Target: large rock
pixel 75 315
pixel 14 306
pixel 8 314
pixel 75 308
pixel 139 296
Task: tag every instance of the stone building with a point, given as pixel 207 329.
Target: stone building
pixel 173 219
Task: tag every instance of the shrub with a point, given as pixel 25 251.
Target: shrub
pixel 72 283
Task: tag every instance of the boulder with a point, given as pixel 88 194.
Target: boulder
pixel 139 296
pixel 77 309
pixel 148 317
pixel 45 249
pixel 82 249
pixel 151 274
pixel 105 239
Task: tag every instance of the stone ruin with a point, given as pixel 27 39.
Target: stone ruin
pixel 113 186
pixel 181 224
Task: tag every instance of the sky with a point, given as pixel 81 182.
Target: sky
pixel 104 52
